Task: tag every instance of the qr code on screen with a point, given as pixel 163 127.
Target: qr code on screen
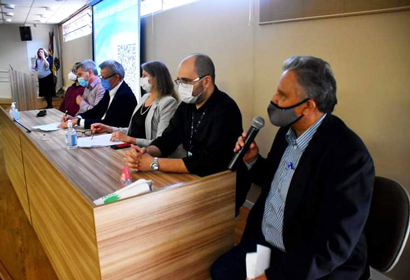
pixel 127 56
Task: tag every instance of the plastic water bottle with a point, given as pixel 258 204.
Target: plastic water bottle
pixel 12 110
pixel 71 137
pixel 125 178
pixel 16 115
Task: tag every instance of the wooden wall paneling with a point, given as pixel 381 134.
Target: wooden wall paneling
pixel 62 218
pixel 23 90
pixel 13 159
pixel 169 234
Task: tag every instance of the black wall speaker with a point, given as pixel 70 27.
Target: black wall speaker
pixel 25 33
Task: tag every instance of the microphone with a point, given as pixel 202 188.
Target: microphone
pixel 257 124
pixel 28 130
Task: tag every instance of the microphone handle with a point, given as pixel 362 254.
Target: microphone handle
pixel 252 132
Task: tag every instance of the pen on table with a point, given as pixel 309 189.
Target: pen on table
pixel 92 135
pixel 65 115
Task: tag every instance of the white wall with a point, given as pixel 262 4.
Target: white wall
pixel 19 53
pixel 75 51
pixel 12 51
pixel 217 28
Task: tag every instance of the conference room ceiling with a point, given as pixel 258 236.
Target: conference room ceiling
pixel 38 11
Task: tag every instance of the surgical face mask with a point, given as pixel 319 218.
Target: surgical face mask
pixel 82 81
pixel 106 84
pixel 145 84
pixel 72 77
pixel 283 116
pixel 185 92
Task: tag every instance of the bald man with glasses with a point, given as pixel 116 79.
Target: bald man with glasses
pixel 207 124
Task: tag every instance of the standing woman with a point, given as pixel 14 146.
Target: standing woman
pixel 154 111
pixel 42 64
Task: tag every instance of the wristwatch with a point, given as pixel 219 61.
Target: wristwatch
pixel 155 164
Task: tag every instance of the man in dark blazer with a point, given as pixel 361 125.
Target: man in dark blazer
pixel 317 185
pixel 118 103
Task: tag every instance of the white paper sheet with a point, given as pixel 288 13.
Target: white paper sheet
pixel 257 263
pixel 97 141
pixel 48 127
pixel 139 187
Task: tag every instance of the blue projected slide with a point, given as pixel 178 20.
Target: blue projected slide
pixel 117 36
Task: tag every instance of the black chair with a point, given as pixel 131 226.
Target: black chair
pixel 387 228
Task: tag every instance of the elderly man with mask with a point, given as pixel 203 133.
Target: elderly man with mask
pixel 206 123
pixel 317 185
pixel 87 76
pixel 117 105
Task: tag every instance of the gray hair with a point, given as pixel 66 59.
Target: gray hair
pixel 88 65
pixel 315 76
pixel 204 65
pixel 114 66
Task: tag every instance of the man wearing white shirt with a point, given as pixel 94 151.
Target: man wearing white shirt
pixel 117 105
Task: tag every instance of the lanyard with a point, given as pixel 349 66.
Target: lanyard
pixel 194 130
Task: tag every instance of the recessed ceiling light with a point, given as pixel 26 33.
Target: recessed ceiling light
pixel 9 14
pixel 42 20
pixel 8 20
pixel 43 16
pixel 9 6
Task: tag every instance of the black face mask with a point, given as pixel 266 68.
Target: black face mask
pixel 283 116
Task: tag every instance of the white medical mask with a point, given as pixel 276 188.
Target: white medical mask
pixel 185 93
pixel 72 77
pixel 144 83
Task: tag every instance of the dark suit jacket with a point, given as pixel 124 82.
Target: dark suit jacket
pixel 120 111
pixel 326 208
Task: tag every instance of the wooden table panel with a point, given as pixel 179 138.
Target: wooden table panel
pixel 176 232
pixel 169 234
pixel 62 218
pixel 13 159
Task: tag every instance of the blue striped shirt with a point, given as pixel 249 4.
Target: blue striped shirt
pixel 272 223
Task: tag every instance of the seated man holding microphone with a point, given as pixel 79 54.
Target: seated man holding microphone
pixel 206 123
pixel 317 185
pixel 117 105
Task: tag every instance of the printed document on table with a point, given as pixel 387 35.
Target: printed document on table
pixel 48 127
pixel 97 141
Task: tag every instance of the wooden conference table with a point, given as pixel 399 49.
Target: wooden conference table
pixel 175 232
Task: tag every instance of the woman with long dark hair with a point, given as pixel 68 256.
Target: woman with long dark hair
pixel 154 111
pixel 43 64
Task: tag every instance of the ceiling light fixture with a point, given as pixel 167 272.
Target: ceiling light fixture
pixel 9 14
pixel 8 20
pixel 9 6
pixel 43 16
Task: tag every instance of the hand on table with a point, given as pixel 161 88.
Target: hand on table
pixel 138 159
pixel 121 137
pixel 97 128
pixel 64 124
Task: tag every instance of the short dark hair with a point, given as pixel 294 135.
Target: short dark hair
pixel 114 66
pixel 204 65
pixel 164 83
pixel 315 76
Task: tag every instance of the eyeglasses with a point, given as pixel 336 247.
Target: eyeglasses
pixel 101 77
pixel 184 82
pixel 84 133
